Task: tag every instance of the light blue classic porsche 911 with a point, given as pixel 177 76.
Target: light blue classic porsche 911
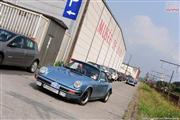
pixel 78 80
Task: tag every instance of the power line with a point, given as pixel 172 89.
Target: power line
pixel 170 63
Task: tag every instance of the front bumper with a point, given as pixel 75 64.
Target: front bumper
pixel 130 83
pixel 62 90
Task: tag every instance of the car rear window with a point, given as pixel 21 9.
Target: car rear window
pixel 5 35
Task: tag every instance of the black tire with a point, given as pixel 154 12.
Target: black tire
pixel 1 59
pixel 33 67
pixel 106 97
pixel 85 97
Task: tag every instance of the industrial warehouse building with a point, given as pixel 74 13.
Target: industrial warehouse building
pixel 130 70
pixel 94 36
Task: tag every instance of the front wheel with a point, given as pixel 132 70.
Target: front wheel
pixel 106 98
pixel 33 67
pixel 85 98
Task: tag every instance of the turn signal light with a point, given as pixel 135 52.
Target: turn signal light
pixel 71 92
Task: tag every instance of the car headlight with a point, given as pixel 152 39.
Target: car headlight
pixel 77 84
pixel 43 70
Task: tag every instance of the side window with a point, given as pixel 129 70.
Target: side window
pixel 29 44
pixel 18 42
pixel 74 65
pixel 103 77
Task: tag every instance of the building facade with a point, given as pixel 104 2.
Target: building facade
pixel 94 36
pixel 130 70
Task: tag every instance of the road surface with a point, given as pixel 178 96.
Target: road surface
pixel 21 99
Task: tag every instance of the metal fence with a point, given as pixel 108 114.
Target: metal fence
pixel 175 98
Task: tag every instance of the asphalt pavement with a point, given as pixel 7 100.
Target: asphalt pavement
pixel 20 99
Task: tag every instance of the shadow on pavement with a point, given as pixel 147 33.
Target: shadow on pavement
pixel 44 111
pixel 14 70
pixel 57 97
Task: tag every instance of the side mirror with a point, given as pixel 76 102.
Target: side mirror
pixel 13 45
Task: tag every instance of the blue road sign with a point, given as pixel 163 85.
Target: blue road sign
pixel 72 8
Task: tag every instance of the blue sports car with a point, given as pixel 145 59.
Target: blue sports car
pixel 78 80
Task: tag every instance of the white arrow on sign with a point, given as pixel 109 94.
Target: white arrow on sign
pixel 71 13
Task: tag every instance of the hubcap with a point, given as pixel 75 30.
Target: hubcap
pixel 34 67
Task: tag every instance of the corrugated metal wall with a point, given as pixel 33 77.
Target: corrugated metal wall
pixel 23 22
pixel 100 39
pixel 53 8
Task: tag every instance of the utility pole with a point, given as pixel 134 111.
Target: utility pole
pixel 170 83
pixel 174 64
pixel 128 64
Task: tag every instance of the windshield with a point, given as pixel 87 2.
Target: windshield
pixel 84 69
pixel 131 79
pixel 5 35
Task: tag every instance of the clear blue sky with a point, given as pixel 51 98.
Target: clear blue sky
pixel 151 32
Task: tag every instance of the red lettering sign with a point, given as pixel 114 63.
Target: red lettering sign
pixel 105 32
pixel 101 27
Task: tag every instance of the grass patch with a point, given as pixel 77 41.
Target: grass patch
pixel 153 105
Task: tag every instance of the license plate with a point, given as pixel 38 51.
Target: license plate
pixel 50 89
pixel 38 83
pixel 55 85
pixel 62 94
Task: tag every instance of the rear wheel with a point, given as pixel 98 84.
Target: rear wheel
pixel 33 67
pixel 85 98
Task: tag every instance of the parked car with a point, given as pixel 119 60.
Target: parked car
pixel 121 76
pixel 130 80
pixel 18 50
pixel 78 80
pixel 114 74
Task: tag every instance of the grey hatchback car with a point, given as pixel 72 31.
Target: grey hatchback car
pixel 18 50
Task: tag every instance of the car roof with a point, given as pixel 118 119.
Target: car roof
pixel 130 76
pixel 8 31
pixel 17 34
